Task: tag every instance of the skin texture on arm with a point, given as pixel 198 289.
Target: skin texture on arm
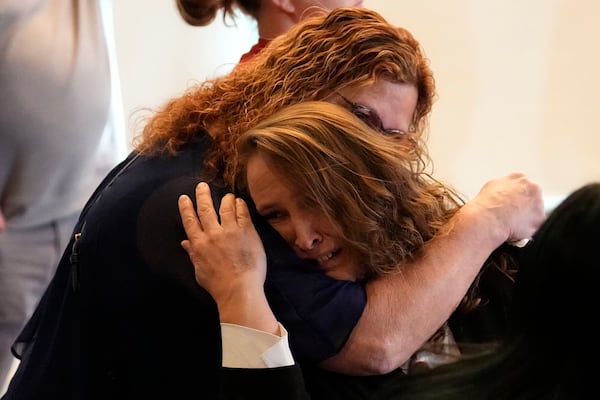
pixel 405 309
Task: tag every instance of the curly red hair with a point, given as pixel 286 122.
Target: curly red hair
pixel 347 47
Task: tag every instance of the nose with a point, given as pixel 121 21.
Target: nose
pixel 306 237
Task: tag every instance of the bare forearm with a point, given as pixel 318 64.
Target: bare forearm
pixel 405 309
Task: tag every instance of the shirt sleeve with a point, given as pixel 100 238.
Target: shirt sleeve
pixel 245 347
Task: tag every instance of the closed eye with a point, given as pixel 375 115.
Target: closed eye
pixel 272 216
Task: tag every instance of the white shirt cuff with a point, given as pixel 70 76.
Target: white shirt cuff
pixel 245 347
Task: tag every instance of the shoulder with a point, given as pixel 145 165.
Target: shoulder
pixel 159 230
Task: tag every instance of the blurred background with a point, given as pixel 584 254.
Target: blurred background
pixel 518 81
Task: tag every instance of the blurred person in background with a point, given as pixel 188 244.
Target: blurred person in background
pixel 60 133
pixel 273 17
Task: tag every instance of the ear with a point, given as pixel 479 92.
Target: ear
pixel 286 6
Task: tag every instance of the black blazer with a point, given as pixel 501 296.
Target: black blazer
pixel 123 316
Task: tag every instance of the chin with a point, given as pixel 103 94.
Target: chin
pixel 341 276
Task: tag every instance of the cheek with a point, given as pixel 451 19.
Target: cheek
pixel 354 266
pixel 285 231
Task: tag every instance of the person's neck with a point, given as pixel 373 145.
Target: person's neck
pixel 272 21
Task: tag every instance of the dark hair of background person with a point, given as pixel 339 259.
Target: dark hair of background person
pixel 550 347
pixel 202 13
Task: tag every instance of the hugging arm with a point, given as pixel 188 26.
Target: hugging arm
pixel 405 309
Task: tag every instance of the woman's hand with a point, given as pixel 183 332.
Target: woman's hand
pixel 229 258
pixel 515 205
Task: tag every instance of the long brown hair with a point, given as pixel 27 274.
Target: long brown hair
pixel 384 199
pixel 365 182
pixel 320 55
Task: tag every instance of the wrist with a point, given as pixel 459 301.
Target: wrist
pixel 484 223
pixel 250 310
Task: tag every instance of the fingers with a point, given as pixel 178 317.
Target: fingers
pixel 228 211
pixel 242 213
pixel 205 207
pixel 232 211
pixel 191 224
pixel 516 204
pixel 187 246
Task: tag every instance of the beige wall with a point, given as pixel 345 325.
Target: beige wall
pixel 517 80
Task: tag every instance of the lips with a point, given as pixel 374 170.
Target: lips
pixel 323 259
pixel 326 258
